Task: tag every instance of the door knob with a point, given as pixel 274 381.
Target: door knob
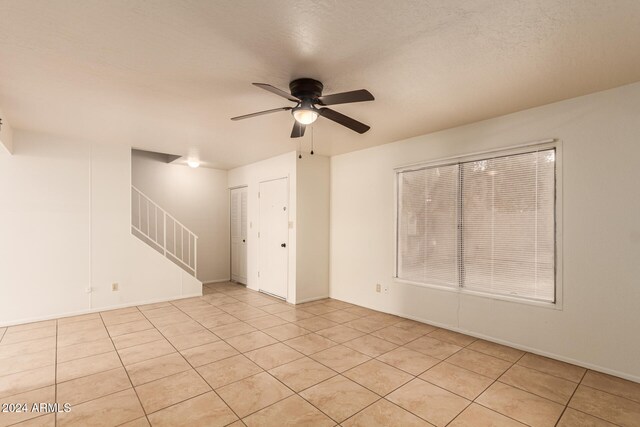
pixel 284 245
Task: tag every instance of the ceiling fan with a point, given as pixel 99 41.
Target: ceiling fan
pixel 307 94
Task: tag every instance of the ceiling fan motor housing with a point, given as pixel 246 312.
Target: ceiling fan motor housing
pixel 306 88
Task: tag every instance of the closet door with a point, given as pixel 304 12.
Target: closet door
pixel 239 235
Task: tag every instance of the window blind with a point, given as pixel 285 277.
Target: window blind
pixel 508 216
pixel 428 224
pixel 486 225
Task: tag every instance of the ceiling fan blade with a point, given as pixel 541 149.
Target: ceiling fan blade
pixel 277 91
pixel 298 130
pixel 274 110
pixel 343 120
pixel 346 97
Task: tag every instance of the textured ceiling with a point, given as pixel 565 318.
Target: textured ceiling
pixel 167 75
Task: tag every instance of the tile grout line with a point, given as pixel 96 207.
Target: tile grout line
pixel 536 394
pixel 373 403
pixel 55 382
pixel 453 392
pixel 317 316
pixel 512 363
pixel 550 374
pixel 47 322
pixel 557 377
pixel 267 370
pixel 97 373
pixel 602 391
pixel 29 369
pixel 263 371
pixel 570 397
pixel 97 354
pixel 192 367
pixel 611 394
pixel 195 368
pixel 125 370
pixel 177 403
pixel 24 341
pixel 595 416
pixel 375 392
pixel 34 418
pixel 300 396
pixel 491 409
pixel 243 354
pixel 332 377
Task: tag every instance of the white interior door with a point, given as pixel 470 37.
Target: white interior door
pixel 273 252
pixel 239 235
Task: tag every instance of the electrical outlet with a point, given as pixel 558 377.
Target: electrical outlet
pixel 377 287
pixel 114 287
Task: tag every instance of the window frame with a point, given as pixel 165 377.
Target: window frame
pixel 485 155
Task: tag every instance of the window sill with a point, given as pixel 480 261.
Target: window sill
pixel 462 291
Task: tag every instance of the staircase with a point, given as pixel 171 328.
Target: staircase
pixel 157 228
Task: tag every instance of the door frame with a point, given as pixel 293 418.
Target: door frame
pixel 286 177
pixel 237 187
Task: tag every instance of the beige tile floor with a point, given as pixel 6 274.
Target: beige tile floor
pixel 237 357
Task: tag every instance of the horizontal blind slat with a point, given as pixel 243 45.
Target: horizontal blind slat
pixel 427 225
pixel 508 225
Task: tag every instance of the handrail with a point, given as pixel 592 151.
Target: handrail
pixel 161 219
pixel 171 216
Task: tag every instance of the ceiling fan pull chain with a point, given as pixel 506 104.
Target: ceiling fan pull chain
pixel 299 149
pixel 312 140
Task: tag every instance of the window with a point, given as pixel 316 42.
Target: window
pixel 484 224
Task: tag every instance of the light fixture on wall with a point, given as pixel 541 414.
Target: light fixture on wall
pixel 193 163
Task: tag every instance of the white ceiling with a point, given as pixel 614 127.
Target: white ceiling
pixel 167 75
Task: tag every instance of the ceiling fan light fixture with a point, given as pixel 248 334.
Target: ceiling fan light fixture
pixel 305 117
pixel 305 113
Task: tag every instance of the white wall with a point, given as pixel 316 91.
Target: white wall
pixel 251 176
pixel 312 256
pixel 116 255
pixel 599 321
pixel 6 135
pixel 198 198
pixel 64 227
pixel 45 229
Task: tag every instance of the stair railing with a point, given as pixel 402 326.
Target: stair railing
pixel 163 232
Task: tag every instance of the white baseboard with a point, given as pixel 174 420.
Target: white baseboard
pixel 561 358
pixel 98 310
pixel 302 301
pixel 205 282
